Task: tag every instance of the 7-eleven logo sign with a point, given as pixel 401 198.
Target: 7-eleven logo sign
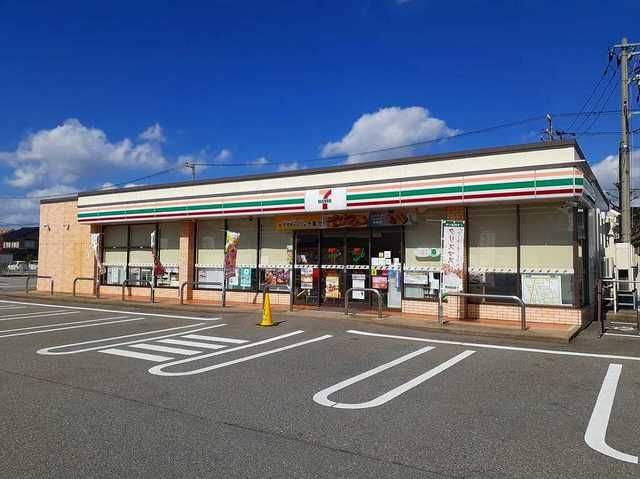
pixel 326 199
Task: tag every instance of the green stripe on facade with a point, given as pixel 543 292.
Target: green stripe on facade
pixel 353 197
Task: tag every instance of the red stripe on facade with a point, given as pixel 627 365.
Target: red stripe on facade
pixel 373 203
pixel 190 213
pixel 438 198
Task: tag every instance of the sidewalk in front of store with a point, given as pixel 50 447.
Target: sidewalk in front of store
pixel 556 333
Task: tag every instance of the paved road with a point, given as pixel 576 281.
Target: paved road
pixel 117 393
pixel 13 283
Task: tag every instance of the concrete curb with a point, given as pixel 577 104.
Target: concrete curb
pixel 467 328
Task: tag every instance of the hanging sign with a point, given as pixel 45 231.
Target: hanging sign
pixel 95 248
pixel 231 253
pixel 452 254
pixel 325 199
pixel 158 269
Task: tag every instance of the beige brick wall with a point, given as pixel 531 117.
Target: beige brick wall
pixel 64 248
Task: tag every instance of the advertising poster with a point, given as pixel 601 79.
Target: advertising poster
pixel 245 277
pixel 452 254
pixel 542 288
pixel 357 281
pixel 411 277
pixel 379 282
pixel 332 287
pixel 231 253
pixel 306 278
pixel 95 250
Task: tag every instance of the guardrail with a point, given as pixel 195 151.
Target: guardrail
pixel 86 278
pixel 26 285
pixel 371 290
pixel 126 283
pixel 197 283
pixel 267 288
pixel 515 299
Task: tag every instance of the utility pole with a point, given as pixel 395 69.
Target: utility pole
pixel 627 51
pixel 193 170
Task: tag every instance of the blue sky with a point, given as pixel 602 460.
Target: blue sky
pixel 100 93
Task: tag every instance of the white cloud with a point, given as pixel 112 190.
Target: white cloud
pixel 289 166
pixel 224 155
pixel 71 150
pixel 203 156
pixel 259 162
pixel 606 171
pixel 25 211
pixel 386 128
pixel 153 133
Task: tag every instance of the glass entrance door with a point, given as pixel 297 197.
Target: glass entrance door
pixel 306 269
pixel 357 268
pixel 332 268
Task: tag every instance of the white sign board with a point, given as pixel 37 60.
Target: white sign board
pixel 452 254
pixel 326 199
pixel 542 289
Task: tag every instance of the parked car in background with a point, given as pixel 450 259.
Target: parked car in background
pixel 33 266
pixel 17 266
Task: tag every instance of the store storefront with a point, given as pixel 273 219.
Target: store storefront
pixel 530 217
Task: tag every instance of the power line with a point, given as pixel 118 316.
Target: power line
pixel 586 118
pixel 347 155
pixel 604 74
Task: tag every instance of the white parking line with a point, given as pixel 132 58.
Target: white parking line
pixel 135 313
pixel 94 323
pixel 158 370
pixel 165 349
pixel 134 354
pixel 596 433
pixel 322 397
pixel 50 350
pixel 632 336
pixel 495 346
pixel 193 344
pixel 35 315
pixel 216 339
pixel 12 307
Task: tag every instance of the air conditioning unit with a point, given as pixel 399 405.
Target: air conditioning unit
pixel 606 268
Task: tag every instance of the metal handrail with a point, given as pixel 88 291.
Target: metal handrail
pixel 279 288
pixel 126 283
pixel 371 290
pixel 196 283
pixel 26 286
pixel 86 278
pixel 601 315
pixel 515 299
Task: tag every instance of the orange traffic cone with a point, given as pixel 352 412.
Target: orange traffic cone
pixel 266 311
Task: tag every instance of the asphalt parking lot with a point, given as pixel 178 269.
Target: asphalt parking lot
pixel 89 391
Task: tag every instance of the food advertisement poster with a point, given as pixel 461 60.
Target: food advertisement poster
pixel 332 287
pixel 379 282
pixel 231 253
pixel 392 218
pixel 452 254
pixel 277 276
pixel 306 278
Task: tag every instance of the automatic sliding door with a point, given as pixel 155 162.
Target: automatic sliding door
pixel 307 268
pixel 332 272
pixel 357 269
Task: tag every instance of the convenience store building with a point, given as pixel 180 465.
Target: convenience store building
pixel 533 227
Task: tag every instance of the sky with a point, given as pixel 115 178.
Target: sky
pixel 96 94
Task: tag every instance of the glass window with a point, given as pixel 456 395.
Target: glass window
pixel 247 258
pixel 140 257
pixel 422 254
pixel 210 243
pixel 546 253
pixel 493 249
pixel 115 240
pixel 210 253
pixel 276 254
pixel 169 251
